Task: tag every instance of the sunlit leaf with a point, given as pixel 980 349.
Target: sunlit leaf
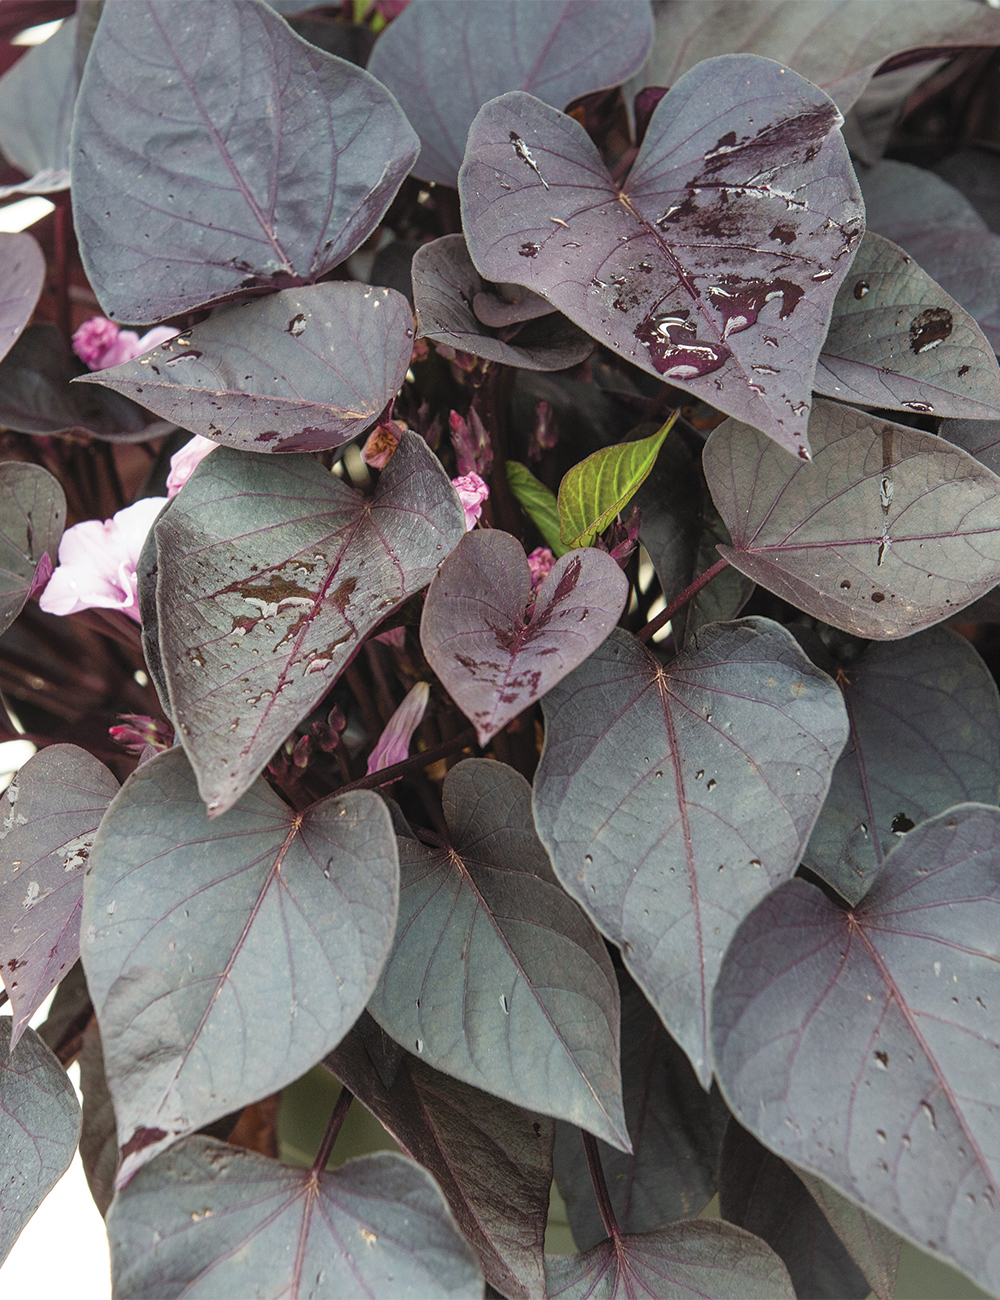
pixel 600 487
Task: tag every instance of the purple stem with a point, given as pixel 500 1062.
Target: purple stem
pixel 702 580
pixel 332 1130
pixel 601 1187
pixel 389 774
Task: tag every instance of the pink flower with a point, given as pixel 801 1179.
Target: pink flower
pixel 472 492
pixel 100 343
pixel 97 562
pixel 183 462
pixel 540 562
pixel 137 731
pixel 393 746
pixel 473 449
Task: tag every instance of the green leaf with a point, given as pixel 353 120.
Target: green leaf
pixel 539 504
pixel 600 487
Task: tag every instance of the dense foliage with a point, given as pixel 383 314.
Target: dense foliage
pixel 498 509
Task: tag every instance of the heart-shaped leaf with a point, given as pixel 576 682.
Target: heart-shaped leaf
pixel 226 958
pixel 897 340
pixel 293 569
pixel 209 1220
pixel 888 531
pixel 277 163
pixel 443 59
pixel 336 355
pixel 39 1129
pixel 676 1129
pixel 32 515
pixel 493 661
pixel 22 268
pixel 601 486
pixel 446 286
pixel 717 262
pixel 860 1044
pixel 483 924
pixel 939 227
pixel 53 808
pixel 980 438
pixel 686 1261
pixel 730 749
pixel 761 1193
pixel 492 1160
pixel 538 502
pixel 925 735
pixel 37 96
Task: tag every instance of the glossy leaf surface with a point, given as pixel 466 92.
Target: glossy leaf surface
pixel 492 1160
pixel 300 370
pixel 23 270
pixel 716 264
pixel 704 1257
pixel 671 799
pixel 539 504
pixel 226 958
pixel 493 662
pixel 299 152
pixel 293 568
pixel 898 341
pixel 601 486
pixel 888 531
pixel 676 1128
pixel 32 515
pixel 51 811
pixel 446 284
pixel 883 1013
pixel 925 735
pixel 211 1221
pixel 443 59
pixel 496 977
pixel 39 1128
pixel 37 96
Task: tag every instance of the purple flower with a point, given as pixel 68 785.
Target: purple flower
pixel 99 343
pixel 183 462
pixel 472 492
pixel 97 562
pixel 393 746
pixel 540 562
pixel 473 450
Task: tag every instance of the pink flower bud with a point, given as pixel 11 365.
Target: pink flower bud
pixel 393 746
pixel 139 731
pixel 540 562
pixel 99 342
pixel 183 462
pixel 473 450
pixel 472 492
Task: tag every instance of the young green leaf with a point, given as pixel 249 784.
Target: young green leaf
pixel 538 503
pixel 601 486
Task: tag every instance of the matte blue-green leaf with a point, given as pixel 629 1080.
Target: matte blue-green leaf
pixel 22 268
pixel 32 516
pixel 37 96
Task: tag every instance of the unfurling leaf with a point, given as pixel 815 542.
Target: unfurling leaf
pixel 600 487
pixel 538 503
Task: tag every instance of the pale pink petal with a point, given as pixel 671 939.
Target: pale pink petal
pixel 540 562
pixel 183 462
pixel 153 338
pixel 393 746
pixel 121 350
pixel 472 492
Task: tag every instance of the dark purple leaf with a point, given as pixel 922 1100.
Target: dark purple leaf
pixel 443 59
pixel 941 229
pixel 495 976
pixel 211 1220
pixel 22 267
pixel 703 1257
pixel 676 1128
pixel 98 1137
pixel 888 531
pixel 226 958
pixel 492 661
pixel 448 294
pixel 671 799
pixel 897 340
pixel 277 163
pixel 270 574
pixel 925 735
pixel 976 174
pixel 492 1160
pixel 716 264
pixel 861 1044
pixel 36 396
pixel 36 110
pixel 874 1247
pixel 32 515
pixel 300 370
pixel 39 1129
pixel 69 1012
pixel 51 812
pixel 980 438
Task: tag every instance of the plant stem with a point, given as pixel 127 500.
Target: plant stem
pixel 676 605
pixel 600 1187
pixel 492 402
pixel 389 774
pixel 332 1131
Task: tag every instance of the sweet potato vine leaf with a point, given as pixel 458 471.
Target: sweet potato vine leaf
pixel 671 799
pixel 51 811
pixel 22 274
pixel 215 152
pixel 226 958
pixel 300 370
pixel 493 660
pixel 271 571
pixel 37 96
pixel 888 531
pixel 601 486
pixel 860 1044
pixel 495 976
pixel 716 263
pixel 32 515
pixel 207 1220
